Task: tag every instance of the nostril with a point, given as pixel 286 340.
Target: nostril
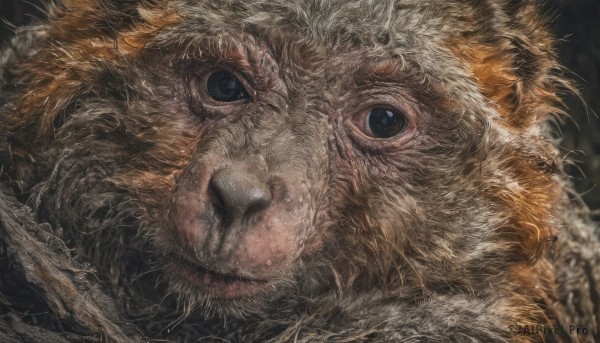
pixel 216 200
pixel 259 202
pixel 239 194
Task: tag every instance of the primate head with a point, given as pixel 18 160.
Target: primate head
pixel 250 153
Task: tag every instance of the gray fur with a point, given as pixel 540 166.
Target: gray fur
pixel 451 233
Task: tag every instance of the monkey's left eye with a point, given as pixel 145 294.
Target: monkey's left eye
pixel 223 86
pixel 384 123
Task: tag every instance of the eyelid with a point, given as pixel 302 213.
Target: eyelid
pixel 357 112
pixel 197 76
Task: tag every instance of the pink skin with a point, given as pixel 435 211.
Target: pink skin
pixel 240 258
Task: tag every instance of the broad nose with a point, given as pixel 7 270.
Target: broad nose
pixel 240 192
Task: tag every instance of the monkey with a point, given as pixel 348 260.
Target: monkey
pixel 290 171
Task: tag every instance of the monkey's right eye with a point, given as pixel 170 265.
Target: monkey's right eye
pixel 223 86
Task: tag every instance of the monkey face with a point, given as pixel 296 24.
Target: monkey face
pixel 246 162
pixel 243 212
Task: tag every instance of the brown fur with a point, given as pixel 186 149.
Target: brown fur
pixel 458 228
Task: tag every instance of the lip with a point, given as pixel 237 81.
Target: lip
pixel 216 284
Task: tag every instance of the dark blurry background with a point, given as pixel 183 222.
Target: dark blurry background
pixel 575 22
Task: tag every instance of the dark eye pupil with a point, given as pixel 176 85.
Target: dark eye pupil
pixel 385 123
pixel 223 86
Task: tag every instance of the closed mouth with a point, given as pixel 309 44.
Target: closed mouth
pixel 214 283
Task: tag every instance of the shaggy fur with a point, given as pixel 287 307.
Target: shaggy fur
pixel 460 229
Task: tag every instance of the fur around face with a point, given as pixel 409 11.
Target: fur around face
pixel 460 229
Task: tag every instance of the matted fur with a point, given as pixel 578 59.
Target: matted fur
pixel 459 233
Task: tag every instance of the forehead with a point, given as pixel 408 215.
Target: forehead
pixel 329 23
pixel 313 33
